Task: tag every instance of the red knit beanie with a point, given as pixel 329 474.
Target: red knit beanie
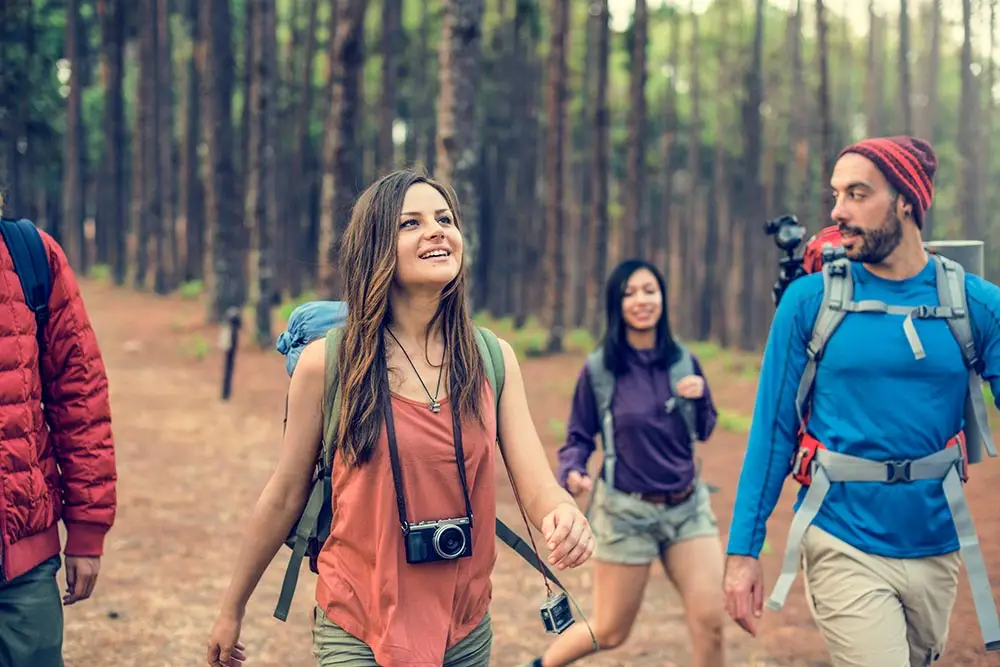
pixel 907 163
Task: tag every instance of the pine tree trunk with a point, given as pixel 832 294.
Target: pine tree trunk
pixel 261 201
pixel 166 237
pixel 635 227
pixel 392 29
pixel 191 196
pixel 112 218
pixel 905 94
pixel 458 147
pixel 74 242
pixel 555 178
pixel 342 177
pixel 228 238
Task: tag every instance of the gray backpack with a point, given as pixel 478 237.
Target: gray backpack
pixel 838 300
pixel 602 382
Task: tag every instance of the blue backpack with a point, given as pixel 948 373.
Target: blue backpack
pixel 323 319
pixel 31 264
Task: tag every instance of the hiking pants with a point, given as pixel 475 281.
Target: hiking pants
pixel 335 647
pixel 31 618
pixel 872 610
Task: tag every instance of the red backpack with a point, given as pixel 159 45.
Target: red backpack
pixel 812 257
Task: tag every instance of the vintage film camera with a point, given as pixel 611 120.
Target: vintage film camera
pixel 437 540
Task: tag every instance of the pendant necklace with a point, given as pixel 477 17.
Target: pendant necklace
pixel 434 406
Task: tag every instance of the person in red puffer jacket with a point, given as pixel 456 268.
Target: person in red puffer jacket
pixel 56 462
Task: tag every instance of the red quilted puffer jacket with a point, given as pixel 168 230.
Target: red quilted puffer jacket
pixel 57 458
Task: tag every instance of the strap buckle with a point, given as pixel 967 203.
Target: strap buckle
pixel 897 471
pixel 837 269
pixel 963 469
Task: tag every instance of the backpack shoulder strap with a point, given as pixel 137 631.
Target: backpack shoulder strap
pixel 838 294
pixel 31 264
pixel 602 381
pixel 331 395
pixel 496 373
pixel 313 525
pixel 681 368
pixel 951 294
pixel 950 277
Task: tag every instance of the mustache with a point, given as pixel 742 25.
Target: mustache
pixel 850 229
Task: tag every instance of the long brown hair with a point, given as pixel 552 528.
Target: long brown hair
pixel 367 267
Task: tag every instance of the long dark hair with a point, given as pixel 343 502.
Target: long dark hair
pixel 615 343
pixel 368 265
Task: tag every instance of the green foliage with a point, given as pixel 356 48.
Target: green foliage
pixel 196 348
pixel 557 428
pixel 100 272
pixel 705 350
pixel 192 289
pixel 528 341
pixel 579 340
pixel 725 34
pixel 733 422
pixel 291 304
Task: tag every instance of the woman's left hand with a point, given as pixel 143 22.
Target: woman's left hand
pixel 568 536
pixel 691 386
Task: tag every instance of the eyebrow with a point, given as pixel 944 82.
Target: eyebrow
pixel 855 184
pixel 417 213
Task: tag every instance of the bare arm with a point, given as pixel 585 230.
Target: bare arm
pixel 285 494
pixel 536 483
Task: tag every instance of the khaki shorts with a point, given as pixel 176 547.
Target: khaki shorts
pixel 632 531
pixel 335 647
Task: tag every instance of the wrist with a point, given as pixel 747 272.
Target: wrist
pixel 548 502
pixel 232 608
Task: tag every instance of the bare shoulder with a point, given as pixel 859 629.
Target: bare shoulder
pixel 508 352
pixel 311 365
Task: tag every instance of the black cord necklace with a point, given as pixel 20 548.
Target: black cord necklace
pixel 434 406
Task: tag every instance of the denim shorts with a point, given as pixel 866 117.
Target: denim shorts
pixel 632 531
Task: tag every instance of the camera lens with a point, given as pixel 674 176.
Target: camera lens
pixel 449 541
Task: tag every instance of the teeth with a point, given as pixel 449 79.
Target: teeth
pixel 434 253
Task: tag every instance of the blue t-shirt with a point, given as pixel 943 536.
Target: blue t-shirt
pixel 871 398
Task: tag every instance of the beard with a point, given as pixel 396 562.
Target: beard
pixel 876 244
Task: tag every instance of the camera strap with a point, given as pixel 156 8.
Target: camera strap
pixel 397 474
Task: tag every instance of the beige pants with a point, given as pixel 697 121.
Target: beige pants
pixel 875 611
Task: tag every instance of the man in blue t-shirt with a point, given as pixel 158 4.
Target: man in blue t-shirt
pixel 881 560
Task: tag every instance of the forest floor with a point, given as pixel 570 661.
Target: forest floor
pixel 191 467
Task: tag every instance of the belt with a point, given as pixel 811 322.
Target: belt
pixel 672 498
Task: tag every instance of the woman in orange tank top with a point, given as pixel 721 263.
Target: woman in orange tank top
pixel 414 451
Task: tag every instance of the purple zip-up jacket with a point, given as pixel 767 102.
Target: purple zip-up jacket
pixel 654 455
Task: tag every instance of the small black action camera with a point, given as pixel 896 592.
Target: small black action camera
pixel 437 540
pixel 556 614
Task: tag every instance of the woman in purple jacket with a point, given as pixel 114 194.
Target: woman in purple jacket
pixel 656 507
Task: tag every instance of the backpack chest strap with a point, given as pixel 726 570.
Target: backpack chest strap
pixel 909 314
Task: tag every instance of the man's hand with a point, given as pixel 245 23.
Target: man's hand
pixel 81 576
pixel 577 483
pixel 744 589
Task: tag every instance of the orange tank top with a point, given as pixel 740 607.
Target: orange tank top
pixel 410 614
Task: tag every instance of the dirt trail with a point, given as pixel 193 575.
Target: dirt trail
pixel 191 468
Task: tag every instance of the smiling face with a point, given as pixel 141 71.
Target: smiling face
pixel 642 301
pixel 867 210
pixel 429 245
